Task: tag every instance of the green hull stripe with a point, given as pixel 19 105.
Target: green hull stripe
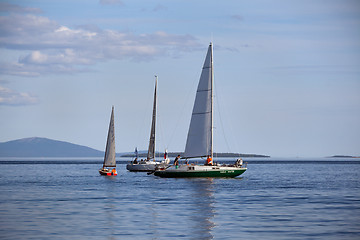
pixel 222 173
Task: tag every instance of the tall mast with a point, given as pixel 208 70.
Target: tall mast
pixel 212 102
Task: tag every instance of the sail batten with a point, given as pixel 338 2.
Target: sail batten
pixel 109 159
pixel 199 139
pixel 201 113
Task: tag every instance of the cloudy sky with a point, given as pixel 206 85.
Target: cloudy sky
pixel 287 73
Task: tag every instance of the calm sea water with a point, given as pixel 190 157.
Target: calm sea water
pixel 68 199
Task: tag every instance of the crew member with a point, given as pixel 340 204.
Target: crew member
pixel 209 160
pixel 176 161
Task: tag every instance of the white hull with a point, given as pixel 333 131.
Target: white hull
pixel 147 166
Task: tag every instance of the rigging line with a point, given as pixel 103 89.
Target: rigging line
pixel 160 137
pixel 220 118
pixel 232 130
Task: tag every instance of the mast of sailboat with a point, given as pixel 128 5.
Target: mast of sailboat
pixel 151 150
pixel 199 141
pixel 212 102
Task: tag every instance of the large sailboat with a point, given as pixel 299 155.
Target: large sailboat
pixel 149 164
pixel 109 159
pixel 199 142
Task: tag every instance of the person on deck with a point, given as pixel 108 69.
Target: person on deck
pixel 209 160
pixel 176 161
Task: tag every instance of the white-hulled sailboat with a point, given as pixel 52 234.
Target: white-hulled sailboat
pixel 200 136
pixel 109 159
pixel 149 164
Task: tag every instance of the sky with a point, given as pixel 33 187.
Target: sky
pixel 287 73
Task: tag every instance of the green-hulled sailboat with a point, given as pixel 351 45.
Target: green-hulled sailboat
pixel 199 142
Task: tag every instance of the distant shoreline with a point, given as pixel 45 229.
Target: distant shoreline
pixel 344 156
pixel 174 154
pixel 38 147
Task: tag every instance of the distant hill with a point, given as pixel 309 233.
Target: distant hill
pixel 44 147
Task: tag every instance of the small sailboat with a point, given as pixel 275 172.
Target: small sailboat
pixel 109 159
pixel 149 164
pixel 199 142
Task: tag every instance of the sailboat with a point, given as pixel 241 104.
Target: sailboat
pixel 109 159
pixel 199 142
pixel 149 164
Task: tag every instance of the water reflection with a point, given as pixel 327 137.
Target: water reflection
pixel 204 210
pixel 154 216
pixel 110 208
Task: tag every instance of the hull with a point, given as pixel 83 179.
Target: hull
pixel 106 172
pixel 144 167
pixel 200 171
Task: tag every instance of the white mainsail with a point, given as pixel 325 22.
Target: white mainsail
pixel 109 159
pixel 200 137
pixel 151 150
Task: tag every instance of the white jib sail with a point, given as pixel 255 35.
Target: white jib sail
pixel 199 139
pixel 109 159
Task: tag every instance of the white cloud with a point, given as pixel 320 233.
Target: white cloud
pixel 8 7
pixel 10 97
pixel 56 48
pixel 66 57
pixel 28 26
pixel 35 57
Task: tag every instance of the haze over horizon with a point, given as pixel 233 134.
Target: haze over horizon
pixel 287 74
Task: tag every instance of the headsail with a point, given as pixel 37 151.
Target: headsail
pixel 109 159
pixel 151 151
pixel 199 139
